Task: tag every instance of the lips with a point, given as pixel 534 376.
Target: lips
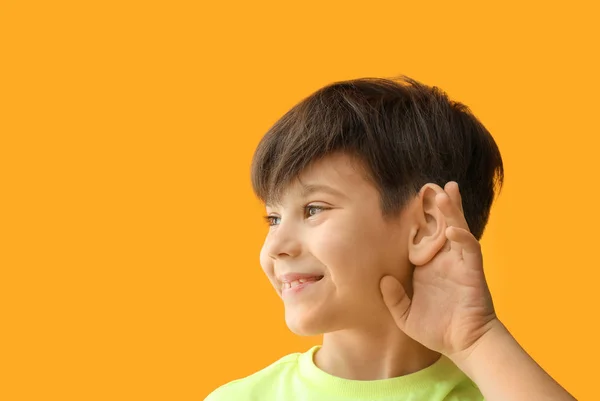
pixel 297 281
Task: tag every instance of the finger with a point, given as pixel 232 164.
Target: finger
pixel 453 192
pixel 453 214
pixel 471 248
pixel 396 299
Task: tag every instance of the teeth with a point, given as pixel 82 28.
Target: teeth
pixel 295 283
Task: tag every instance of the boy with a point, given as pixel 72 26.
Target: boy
pixel 372 244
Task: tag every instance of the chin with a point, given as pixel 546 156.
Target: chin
pixel 306 325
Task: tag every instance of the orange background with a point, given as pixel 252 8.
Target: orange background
pixel 130 234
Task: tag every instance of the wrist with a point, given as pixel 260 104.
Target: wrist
pixel 503 370
pixel 494 335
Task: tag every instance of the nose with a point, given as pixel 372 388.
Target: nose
pixel 283 242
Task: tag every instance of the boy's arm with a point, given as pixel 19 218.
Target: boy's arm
pixel 503 371
pixel 451 311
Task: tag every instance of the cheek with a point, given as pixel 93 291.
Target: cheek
pixel 361 252
pixel 348 252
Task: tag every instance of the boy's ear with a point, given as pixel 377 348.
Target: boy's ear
pixel 428 232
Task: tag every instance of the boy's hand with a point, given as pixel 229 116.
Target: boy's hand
pixel 451 307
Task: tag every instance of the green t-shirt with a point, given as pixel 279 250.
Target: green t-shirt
pixel 295 377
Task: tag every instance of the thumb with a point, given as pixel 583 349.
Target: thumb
pixel 396 299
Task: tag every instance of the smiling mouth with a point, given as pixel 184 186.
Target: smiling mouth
pixel 296 283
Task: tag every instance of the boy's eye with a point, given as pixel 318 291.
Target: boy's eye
pixel 312 210
pixel 309 211
pixel 273 220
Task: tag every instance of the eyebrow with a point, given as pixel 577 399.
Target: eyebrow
pixel 312 188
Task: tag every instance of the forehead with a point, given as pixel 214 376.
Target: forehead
pixel 338 174
pixel 339 169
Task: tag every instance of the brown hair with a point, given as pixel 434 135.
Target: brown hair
pixel 407 134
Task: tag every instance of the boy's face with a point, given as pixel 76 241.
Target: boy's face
pixel 328 230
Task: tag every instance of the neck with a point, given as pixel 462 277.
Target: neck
pixel 372 354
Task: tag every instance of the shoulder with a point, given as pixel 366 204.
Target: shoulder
pixel 255 385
